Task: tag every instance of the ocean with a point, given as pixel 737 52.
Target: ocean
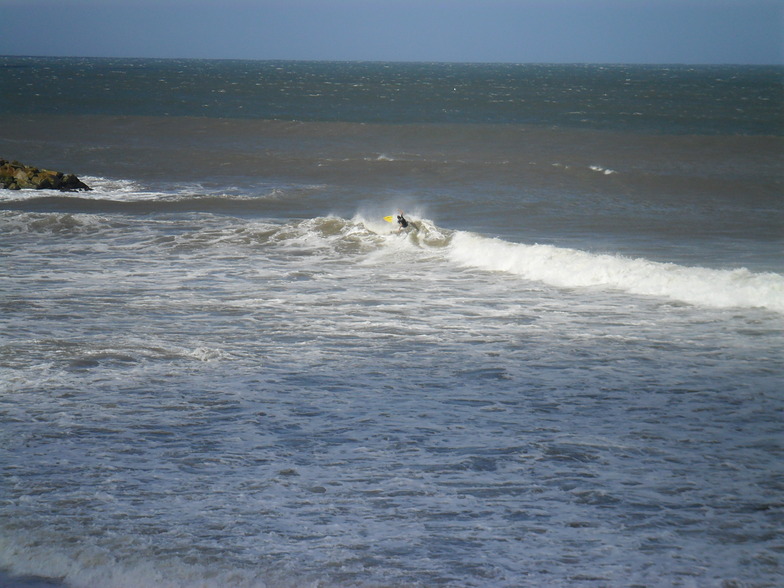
pixel 222 368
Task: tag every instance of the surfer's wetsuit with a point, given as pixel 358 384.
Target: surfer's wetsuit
pixel 402 222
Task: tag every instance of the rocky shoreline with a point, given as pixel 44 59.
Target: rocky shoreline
pixel 17 176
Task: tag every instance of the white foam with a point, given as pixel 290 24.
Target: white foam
pixel 603 170
pixel 380 157
pixel 93 567
pixel 252 434
pixel 571 268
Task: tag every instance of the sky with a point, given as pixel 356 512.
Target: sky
pixel 517 31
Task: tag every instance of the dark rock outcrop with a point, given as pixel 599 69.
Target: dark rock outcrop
pixel 16 176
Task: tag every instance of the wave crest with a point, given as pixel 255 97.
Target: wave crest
pixel 571 268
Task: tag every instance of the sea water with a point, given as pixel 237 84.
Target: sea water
pixel 221 367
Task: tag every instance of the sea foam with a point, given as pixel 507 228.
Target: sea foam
pixel 572 268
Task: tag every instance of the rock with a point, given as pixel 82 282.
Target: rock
pixel 16 176
pixel 70 183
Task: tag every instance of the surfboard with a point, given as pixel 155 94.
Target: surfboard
pixel 390 219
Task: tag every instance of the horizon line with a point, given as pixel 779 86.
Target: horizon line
pixel 423 61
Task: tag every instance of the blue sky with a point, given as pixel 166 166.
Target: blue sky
pixel 521 31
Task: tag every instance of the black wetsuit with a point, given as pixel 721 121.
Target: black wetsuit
pixel 402 222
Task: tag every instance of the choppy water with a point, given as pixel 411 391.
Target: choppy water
pixel 669 98
pixel 223 368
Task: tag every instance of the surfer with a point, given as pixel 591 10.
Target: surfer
pixel 401 220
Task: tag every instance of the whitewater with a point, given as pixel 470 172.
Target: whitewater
pixel 326 401
pixel 555 266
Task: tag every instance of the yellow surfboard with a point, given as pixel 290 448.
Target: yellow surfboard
pixel 390 219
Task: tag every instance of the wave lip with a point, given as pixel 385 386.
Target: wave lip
pixel 571 268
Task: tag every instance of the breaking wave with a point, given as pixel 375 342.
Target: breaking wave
pixel 367 234
pixel 572 268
